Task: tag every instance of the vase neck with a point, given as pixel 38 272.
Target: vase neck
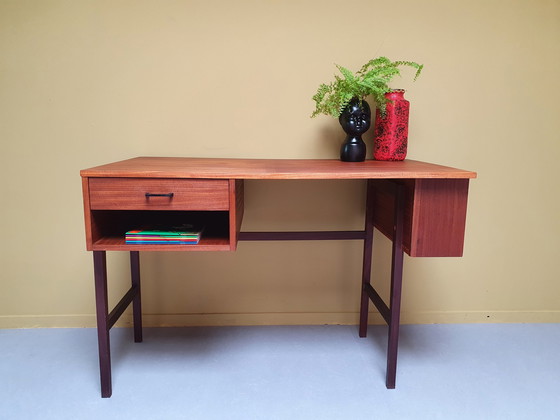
pixel 395 94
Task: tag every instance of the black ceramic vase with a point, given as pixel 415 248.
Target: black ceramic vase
pixel 355 120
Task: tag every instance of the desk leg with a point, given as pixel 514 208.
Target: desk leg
pixel 136 302
pixel 102 309
pixel 366 268
pixel 390 313
pixel 106 319
pixel 396 288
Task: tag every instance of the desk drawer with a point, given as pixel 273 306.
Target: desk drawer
pixel 158 194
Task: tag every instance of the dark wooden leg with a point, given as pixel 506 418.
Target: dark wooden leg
pixel 137 301
pixel 366 268
pixel 396 288
pixel 391 313
pixel 101 305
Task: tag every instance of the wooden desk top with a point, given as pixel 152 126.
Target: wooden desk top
pixel 213 168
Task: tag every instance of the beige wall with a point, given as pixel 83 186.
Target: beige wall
pixel 84 83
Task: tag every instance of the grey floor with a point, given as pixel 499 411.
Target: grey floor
pixel 488 371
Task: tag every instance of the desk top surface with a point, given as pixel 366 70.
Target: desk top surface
pixel 220 168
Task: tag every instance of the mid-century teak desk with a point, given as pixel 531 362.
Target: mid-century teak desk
pixel 420 207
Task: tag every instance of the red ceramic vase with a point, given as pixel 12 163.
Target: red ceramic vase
pixel 391 129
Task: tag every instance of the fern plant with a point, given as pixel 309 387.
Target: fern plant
pixel 372 79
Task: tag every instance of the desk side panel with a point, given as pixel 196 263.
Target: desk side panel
pixel 89 225
pixel 384 210
pixel 435 215
pixel 439 217
pixel 236 198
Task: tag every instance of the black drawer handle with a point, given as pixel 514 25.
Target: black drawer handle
pixel 148 195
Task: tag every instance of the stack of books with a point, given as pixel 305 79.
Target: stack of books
pixel 182 235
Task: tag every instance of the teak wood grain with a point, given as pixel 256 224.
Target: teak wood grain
pixel 435 203
pixel 236 199
pixel 177 167
pixel 130 194
pixel 434 215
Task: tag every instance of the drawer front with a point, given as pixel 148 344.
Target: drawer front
pixel 158 194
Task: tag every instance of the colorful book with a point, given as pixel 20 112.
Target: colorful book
pixel 178 235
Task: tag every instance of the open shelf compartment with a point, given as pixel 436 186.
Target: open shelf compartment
pixel 110 227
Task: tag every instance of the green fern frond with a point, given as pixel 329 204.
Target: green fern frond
pixel 348 75
pixel 371 80
pixel 412 64
pixel 375 63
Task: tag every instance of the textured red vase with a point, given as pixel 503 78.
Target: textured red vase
pixel 391 129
